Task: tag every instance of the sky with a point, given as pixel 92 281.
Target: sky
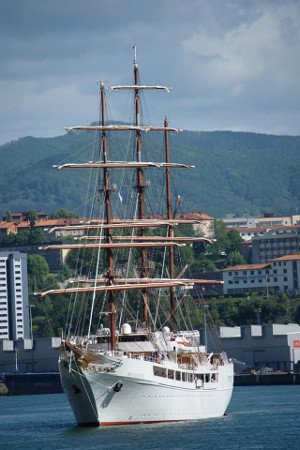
pixel 232 64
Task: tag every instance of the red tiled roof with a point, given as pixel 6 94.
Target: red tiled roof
pixel 45 223
pixel 247 267
pixel 6 225
pixel 295 257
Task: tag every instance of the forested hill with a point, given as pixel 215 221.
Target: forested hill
pixel 235 172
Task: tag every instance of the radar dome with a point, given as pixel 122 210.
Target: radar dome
pixel 165 330
pixel 126 328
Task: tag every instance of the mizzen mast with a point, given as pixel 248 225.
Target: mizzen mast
pixel 170 228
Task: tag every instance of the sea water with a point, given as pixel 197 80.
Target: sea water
pixel 259 417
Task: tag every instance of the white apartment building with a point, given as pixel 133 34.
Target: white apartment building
pixel 269 220
pixel 280 274
pixel 239 222
pixel 14 307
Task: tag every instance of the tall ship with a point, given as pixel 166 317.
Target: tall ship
pixel 129 353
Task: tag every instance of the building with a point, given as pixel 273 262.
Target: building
pixel 24 215
pixel 7 228
pixel 245 278
pixel 55 258
pixel 239 222
pixel 257 346
pixel 204 225
pixel 280 274
pixel 269 220
pixel 30 356
pixel 14 306
pixel 248 233
pixel 207 290
pixel 276 242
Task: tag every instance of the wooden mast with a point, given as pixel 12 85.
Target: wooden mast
pixel 110 263
pixel 170 228
pixel 140 184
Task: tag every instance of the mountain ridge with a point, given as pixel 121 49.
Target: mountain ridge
pixel 236 172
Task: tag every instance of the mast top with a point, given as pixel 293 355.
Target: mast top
pixel 134 56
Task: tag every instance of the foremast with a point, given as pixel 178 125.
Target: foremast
pixel 107 231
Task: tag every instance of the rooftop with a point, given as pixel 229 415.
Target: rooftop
pixel 247 267
pixel 295 257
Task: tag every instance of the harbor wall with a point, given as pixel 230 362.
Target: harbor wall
pixel 266 379
pixel 32 383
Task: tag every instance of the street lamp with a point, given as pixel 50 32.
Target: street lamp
pixel 30 319
pixel 31 333
pixel 267 288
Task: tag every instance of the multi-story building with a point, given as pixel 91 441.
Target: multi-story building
pixel 281 274
pixel 276 242
pixel 248 233
pixel 239 222
pixel 14 306
pixel 269 220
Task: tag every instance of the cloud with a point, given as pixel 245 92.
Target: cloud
pixel 233 65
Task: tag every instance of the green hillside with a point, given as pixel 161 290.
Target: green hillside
pixel 238 173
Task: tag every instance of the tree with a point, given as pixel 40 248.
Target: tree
pixel 63 214
pixel 32 215
pixel 220 234
pixel 36 237
pixel 234 259
pixel 233 241
pixel 203 265
pixel 38 270
pixel 8 216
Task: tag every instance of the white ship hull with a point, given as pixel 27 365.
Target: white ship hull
pixel 131 394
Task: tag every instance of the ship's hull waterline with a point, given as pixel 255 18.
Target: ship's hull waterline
pixel 130 394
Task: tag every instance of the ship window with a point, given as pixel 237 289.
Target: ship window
pixel 207 378
pixel 171 374
pixel 191 377
pixel 184 376
pixel 178 375
pixel 159 371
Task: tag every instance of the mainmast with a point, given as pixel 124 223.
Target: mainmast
pixel 170 228
pixel 140 184
pixel 107 190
